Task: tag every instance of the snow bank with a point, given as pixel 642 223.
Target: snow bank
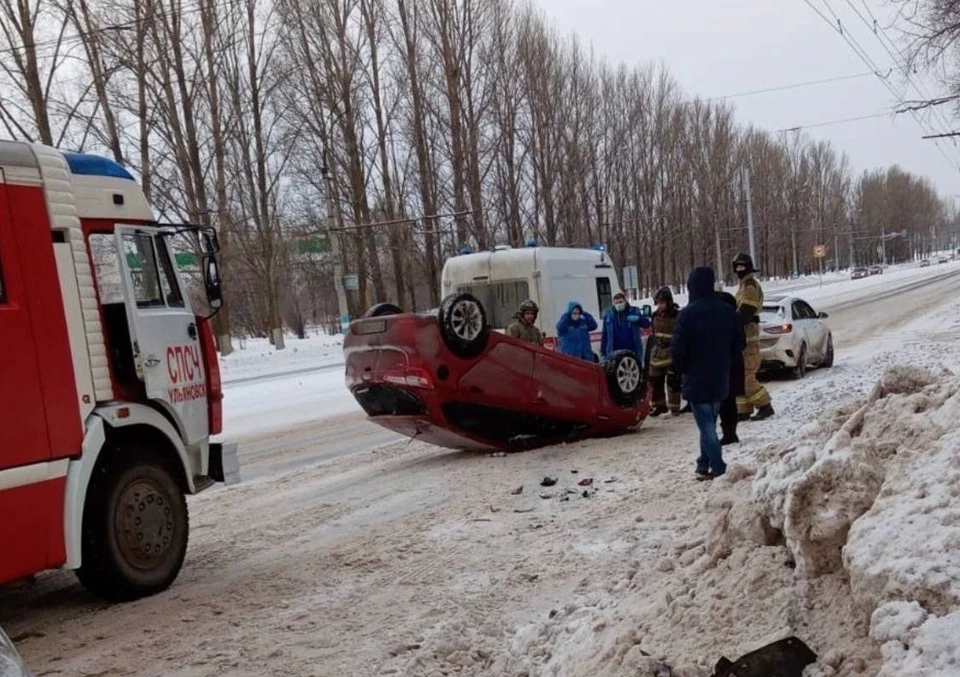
pixel 873 493
pixel 253 358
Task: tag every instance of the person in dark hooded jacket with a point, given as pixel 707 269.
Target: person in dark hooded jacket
pixel 573 330
pixel 728 410
pixel 706 337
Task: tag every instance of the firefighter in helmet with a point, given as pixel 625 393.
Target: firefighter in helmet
pixel 749 303
pixel 524 327
pixel 666 383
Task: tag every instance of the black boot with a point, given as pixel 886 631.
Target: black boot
pixel 763 413
pixel 658 410
pixel 729 437
pixel 743 417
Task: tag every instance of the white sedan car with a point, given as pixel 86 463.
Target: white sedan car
pixel 11 665
pixel 793 336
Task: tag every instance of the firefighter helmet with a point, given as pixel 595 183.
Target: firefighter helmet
pixel 663 294
pixel 529 304
pixel 745 262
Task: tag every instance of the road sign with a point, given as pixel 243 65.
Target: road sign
pixel 820 251
pixel 629 277
pixel 351 282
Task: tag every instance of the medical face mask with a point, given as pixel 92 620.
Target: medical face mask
pixel 575 316
pixel 620 307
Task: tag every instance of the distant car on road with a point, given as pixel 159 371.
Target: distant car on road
pixel 876 270
pixel 943 259
pixel 793 336
pixel 859 273
pixel 11 665
pixel 448 379
pixel 925 263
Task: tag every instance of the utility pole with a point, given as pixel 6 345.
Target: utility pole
pixel 334 234
pixel 852 264
pixel 721 273
pixel 883 244
pixel 746 187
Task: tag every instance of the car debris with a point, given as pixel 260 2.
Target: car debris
pixel 517 491
pixel 548 482
pixel 785 658
pixel 585 482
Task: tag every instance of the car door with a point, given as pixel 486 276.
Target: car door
pixel 818 329
pixel 567 388
pixel 163 331
pixel 801 327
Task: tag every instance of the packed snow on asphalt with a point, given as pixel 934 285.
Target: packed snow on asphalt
pixel 347 551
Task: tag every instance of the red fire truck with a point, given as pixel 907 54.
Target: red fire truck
pixel 109 384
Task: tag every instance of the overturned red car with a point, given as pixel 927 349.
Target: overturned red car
pixel 448 379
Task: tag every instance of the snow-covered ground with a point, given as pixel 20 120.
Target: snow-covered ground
pixel 349 553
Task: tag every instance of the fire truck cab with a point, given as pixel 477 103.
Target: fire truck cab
pixel 109 384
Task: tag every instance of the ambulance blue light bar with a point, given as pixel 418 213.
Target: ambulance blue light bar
pixel 94 165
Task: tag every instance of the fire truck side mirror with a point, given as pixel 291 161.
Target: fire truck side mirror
pixel 211 281
pixel 209 241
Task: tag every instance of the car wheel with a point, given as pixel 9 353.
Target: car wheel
pixel 382 309
pixel 828 353
pixel 624 378
pixel 463 325
pixel 800 370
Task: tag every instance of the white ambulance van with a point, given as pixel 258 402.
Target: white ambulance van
pixel 551 276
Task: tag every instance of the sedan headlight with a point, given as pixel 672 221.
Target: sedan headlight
pixel 11 665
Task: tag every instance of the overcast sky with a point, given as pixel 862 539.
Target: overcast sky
pixel 718 48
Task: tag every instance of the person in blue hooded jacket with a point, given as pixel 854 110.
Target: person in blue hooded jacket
pixel 621 328
pixel 707 337
pixel 573 329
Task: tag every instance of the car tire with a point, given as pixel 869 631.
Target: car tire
pixel 383 309
pixel 800 370
pixel 135 525
pixel 828 353
pixel 624 378
pixel 463 325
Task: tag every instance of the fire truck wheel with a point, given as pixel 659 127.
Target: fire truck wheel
pixel 135 526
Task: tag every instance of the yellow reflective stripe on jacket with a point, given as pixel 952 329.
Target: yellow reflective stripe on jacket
pixel 661 363
pixel 750 302
pixel 660 334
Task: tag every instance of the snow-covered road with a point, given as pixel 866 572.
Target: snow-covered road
pixel 347 552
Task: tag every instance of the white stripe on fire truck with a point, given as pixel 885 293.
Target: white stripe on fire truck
pixel 26 475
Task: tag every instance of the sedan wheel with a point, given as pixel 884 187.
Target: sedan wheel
pixel 828 353
pixel 800 370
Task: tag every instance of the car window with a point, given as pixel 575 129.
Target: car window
pixel 772 313
pixel 604 294
pixel 808 312
pixel 499 299
pixel 798 312
pixel 168 278
pixel 106 267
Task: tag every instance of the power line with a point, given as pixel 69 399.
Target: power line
pixel 869 62
pixel 796 85
pixel 840 121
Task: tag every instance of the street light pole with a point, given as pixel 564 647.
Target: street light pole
pixel 746 186
pixel 333 233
